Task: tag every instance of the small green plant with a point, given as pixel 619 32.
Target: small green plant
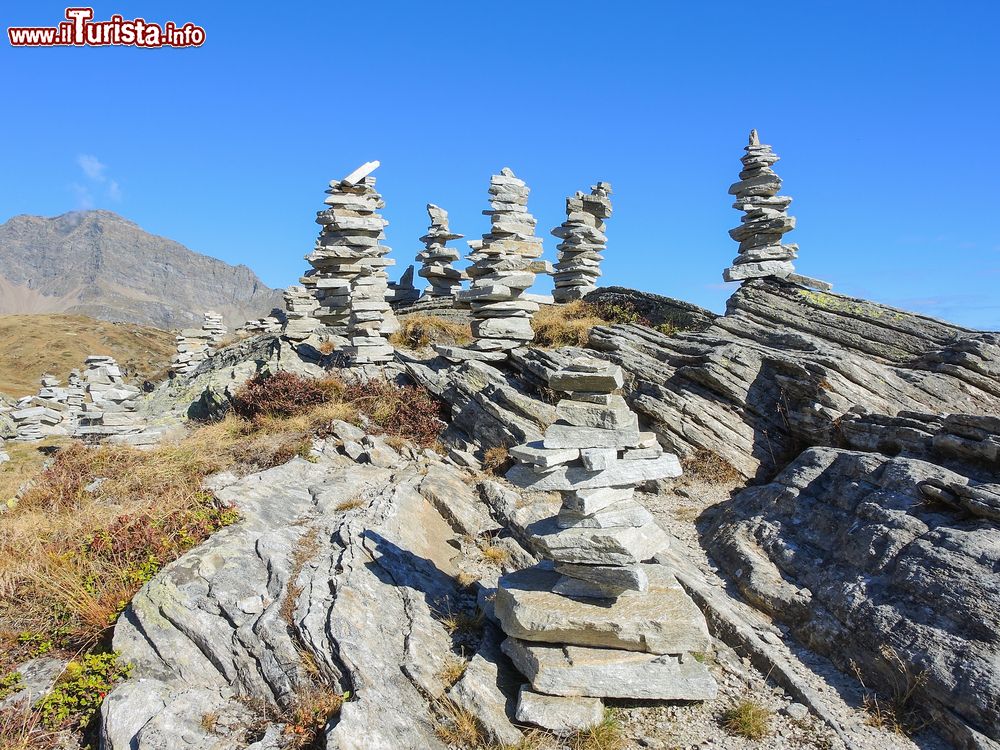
pixel 10 683
pixel 747 719
pixel 76 698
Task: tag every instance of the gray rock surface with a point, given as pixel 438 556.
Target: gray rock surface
pixel 300 577
pixel 851 551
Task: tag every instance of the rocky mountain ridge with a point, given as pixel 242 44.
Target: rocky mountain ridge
pixel 100 264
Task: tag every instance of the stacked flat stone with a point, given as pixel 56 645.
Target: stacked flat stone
pixel 46 414
pixel 504 264
pixel 273 323
pixel 437 258
pixel 762 251
pixel 594 619
pixel 110 408
pixel 4 456
pixel 403 291
pixel 350 280
pixel 300 311
pixel 583 241
pixel 195 345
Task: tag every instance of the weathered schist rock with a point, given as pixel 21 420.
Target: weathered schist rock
pixel 583 241
pixel 350 280
pixel 195 345
pixel 504 264
pixel 765 222
pixel 593 620
pixel 300 308
pixel 50 412
pixel 437 258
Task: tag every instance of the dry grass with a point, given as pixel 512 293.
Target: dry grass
pixel 457 727
pixel 497 460
pixel 452 669
pixel 22 729
pixel 309 713
pixel 460 622
pixel 565 325
pixel 747 719
pixel 494 554
pixel 36 344
pixel 710 468
pixel 464 579
pixel 895 711
pixel 354 502
pixel 419 331
pixel 26 460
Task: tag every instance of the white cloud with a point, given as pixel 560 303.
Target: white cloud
pixel 92 167
pixel 96 175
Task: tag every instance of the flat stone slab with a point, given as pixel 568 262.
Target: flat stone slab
pixel 662 620
pixel 572 436
pixel 609 673
pixel 558 714
pixel 620 545
pixel 619 577
pixel 619 474
pixel 628 513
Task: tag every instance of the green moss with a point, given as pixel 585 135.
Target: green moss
pixel 10 683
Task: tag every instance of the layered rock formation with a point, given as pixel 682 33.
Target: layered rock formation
pixel 504 267
pixel 350 280
pixel 437 258
pixel 765 221
pixel 583 241
pixel 300 313
pixel 591 620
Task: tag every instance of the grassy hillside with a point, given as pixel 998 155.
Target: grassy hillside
pixel 34 344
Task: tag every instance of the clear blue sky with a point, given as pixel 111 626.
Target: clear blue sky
pixel 885 115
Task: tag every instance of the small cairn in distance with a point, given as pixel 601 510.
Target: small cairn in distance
pixel 583 241
pixel 765 221
pixel 595 619
pixel 195 345
pixel 437 258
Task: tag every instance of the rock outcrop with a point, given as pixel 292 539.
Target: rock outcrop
pixel 781 369
pixel 887 564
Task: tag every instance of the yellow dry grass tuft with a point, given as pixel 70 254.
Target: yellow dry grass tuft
pixel 452 669
pixel 496 460
pixel 418 331
pixel 457 727
pixel 565 325
pixel 747 719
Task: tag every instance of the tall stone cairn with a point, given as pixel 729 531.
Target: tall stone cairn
pixel 765 221
pixel 595 619
pixel 110 408
pixel 583 241
pixel 350 280
pixel 443 279
pixel 504 264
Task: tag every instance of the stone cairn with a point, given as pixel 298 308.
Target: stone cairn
pixel 195 345
pixel 300 313
pixel 403 291
pixel 583 241
pixel 437 258
pixel 504 264
pixel 765 221
pixel 51 412
pixel 350 280
pixel 272 323
pixel 594 620
pixel 112 404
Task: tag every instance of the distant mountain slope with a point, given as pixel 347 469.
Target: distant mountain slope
pixel 35 344
pixel 99 264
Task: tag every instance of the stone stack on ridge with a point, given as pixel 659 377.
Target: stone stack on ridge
pixel 110 408
pixel 504 264
pixel 300 310
pixel 594 619
pixel 350 280
pixel 762 252
pixel 583 241
pixel 437 258
pixel 403 291
pixel 51 412
pixel 195 345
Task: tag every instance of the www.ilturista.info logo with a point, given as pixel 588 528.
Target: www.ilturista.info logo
pixel 79 30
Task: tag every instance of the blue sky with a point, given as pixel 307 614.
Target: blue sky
pixel 885 115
